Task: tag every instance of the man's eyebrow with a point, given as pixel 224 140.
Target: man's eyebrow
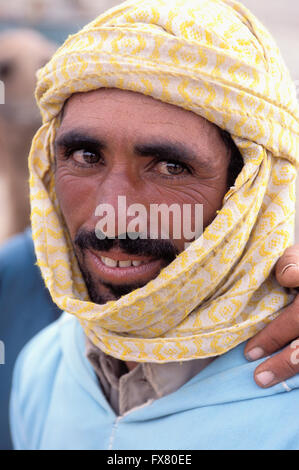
pixel 73 137
pixel 177 151
pixel 161 149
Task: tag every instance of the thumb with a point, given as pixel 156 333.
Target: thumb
pixel 287 267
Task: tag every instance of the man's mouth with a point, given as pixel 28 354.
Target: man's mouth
pixel 112 263
pixel 118 267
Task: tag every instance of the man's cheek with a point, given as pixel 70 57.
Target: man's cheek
pixel 76 201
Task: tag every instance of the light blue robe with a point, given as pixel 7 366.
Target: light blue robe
pixel 57 403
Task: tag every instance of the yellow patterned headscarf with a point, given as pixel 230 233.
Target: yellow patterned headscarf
pixel 214 58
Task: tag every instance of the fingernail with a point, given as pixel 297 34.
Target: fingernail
pixel 290 265
pixel 255 353
pixel 265 378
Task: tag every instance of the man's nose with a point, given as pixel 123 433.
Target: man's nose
pixel 118 197
pixel 119 181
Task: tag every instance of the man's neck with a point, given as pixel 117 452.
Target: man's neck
pixel 131 365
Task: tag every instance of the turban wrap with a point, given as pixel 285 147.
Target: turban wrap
pixel 211 57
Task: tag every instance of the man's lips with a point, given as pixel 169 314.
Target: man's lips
pixel 113 266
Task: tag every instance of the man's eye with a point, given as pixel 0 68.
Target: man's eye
pixel 171 168
pixel 85 157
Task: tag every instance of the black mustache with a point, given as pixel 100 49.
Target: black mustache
pixel 164 249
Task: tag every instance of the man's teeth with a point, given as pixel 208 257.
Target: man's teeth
pixel 112 263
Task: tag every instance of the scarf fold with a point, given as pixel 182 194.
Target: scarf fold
pixel 214 58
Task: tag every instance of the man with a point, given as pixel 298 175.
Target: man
pixel 162 324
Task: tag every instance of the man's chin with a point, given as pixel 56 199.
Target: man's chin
pixel 101 292
pixel 109 292
pixel 106 284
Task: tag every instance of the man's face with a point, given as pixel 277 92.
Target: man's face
pixel 119 143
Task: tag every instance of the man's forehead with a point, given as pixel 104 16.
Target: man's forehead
pixel 115 94
pixel 115 97
pixel 113 103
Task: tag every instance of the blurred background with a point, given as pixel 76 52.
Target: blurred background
pixel 30 30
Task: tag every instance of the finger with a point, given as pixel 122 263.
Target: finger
pixel 276 335
pixel 279 367
pixel 287 267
